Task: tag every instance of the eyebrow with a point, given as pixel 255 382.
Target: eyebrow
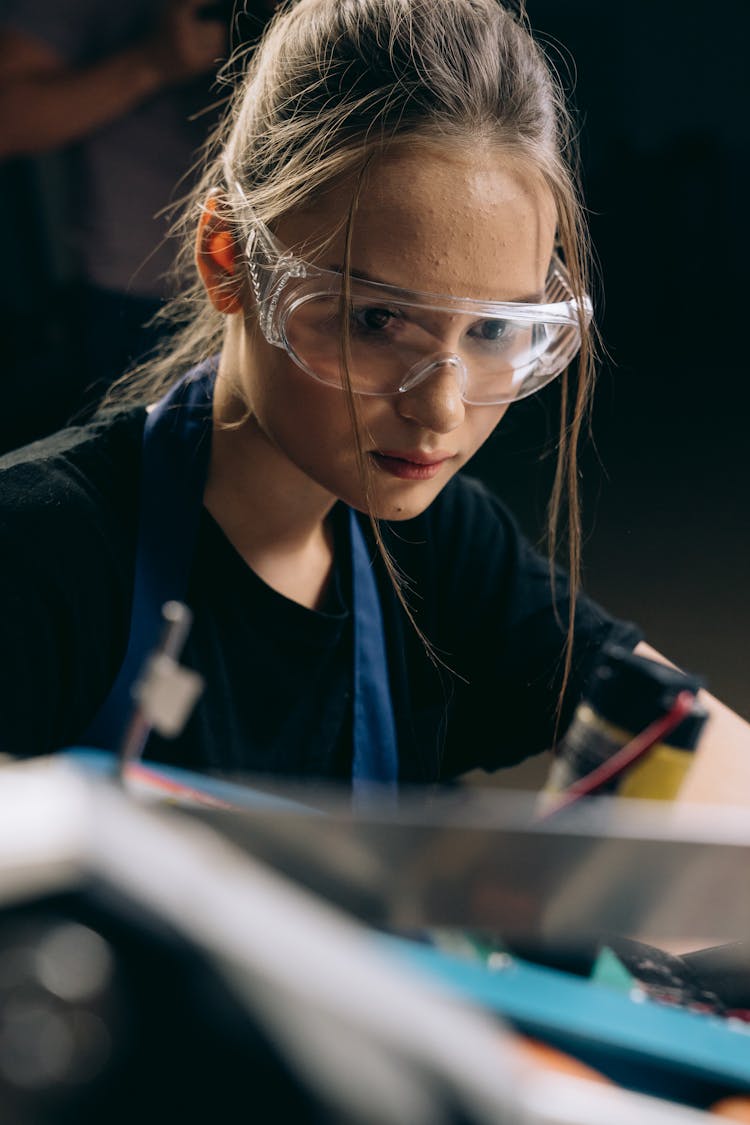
pixel 530 299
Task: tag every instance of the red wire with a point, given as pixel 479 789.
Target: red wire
pixel 625 756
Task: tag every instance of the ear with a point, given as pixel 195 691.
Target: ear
pixel 216 258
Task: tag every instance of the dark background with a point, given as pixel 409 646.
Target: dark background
pixel 661 90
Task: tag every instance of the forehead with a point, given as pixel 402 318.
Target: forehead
pixel 466 223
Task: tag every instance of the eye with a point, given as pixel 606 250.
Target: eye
pixel 492 329
pixel 373 319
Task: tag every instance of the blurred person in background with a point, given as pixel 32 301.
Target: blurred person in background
pixel 125 90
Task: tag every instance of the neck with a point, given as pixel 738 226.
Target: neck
pixel 252 481
pixel 273 513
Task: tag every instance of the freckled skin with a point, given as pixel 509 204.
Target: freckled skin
pixel 457 222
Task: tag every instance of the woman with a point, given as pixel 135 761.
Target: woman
pixel 377 245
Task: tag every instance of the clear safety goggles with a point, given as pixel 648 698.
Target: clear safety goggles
pixel 500 351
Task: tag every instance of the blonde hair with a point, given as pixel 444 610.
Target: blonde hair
pixel 332 84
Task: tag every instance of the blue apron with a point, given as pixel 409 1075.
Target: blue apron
pixel 176 448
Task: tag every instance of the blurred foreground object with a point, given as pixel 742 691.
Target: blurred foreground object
pixel 151 971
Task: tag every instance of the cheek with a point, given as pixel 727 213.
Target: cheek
pixel 285 399
pixel 306 420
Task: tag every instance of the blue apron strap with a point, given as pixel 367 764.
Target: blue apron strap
pixel 176 447
pixel 375 762
pixel 174 464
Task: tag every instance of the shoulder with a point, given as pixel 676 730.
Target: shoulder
pixel 83 467
pixel 71 500
pixel 68 519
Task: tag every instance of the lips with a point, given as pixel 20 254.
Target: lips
pixel 416 456
pixel 413 464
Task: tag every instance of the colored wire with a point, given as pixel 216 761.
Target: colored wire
pixel 626 756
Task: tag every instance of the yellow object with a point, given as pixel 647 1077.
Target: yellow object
pixel 658 776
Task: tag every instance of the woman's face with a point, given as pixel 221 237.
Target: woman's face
pixel 458 223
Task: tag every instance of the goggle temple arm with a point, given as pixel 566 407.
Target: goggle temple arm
pixel 266 256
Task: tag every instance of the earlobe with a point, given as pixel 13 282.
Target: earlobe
pixel 215 254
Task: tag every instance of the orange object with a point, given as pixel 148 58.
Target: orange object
pixel 736 1109
pixel 221 249
pixel 552 1059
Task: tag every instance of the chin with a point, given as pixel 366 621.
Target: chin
pixel 393 500
pixel 395 509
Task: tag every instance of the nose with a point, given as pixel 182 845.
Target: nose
pixel 431 393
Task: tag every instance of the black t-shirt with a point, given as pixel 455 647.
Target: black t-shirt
pixel 278 676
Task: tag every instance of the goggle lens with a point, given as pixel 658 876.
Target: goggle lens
pixel 503 359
